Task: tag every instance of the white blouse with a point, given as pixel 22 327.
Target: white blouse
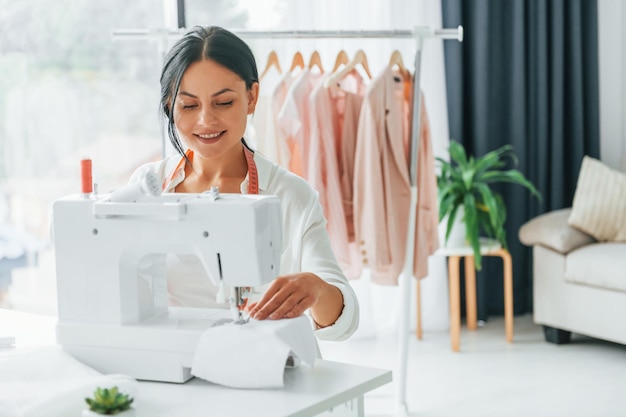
pixel 306 247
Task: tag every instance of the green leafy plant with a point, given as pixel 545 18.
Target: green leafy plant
pixel 109 401
pixel 466 182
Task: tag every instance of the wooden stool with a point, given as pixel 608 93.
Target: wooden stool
pixel 488 247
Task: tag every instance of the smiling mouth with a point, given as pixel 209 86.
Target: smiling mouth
pixel 210 136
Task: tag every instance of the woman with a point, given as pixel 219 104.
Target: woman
pixel 209 86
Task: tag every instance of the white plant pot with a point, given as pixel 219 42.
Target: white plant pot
pixel 457 236
pixel 128 413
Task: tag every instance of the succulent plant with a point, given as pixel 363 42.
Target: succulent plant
pixel 109 401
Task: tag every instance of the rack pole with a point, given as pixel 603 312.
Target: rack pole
pixel 149 34
pixel 421 33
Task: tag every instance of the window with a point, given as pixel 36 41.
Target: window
pixel 69 90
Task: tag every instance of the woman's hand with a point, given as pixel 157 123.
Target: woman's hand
pixel 291 295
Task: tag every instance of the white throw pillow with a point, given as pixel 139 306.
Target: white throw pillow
pixel 599 206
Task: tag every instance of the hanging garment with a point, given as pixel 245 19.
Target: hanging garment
pixel 263 135
pixel 334 113
pixel 427 221
pixel 382 183
pixel 354 89
pixel 278 99
pixel 293 119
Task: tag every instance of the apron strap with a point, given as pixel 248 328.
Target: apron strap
pixel 253 174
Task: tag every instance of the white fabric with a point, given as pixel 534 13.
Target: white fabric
pixel 253 355
pixel 306 247
pixel 49 382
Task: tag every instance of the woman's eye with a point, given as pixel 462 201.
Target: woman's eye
pixel 225 103
pixel 187 106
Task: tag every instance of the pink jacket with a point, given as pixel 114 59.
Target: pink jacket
pixel 334 119
pixel 382 183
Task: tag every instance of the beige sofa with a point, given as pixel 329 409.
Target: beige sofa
pixel 579 284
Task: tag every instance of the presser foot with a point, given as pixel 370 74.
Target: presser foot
pixel 240 319
pixel 238 302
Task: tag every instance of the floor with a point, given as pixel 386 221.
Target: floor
pixel 490 377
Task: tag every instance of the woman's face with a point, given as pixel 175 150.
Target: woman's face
pixel 211 109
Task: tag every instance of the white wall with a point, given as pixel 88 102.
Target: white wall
pixel 612 67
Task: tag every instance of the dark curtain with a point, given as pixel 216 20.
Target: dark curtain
pixel 526 74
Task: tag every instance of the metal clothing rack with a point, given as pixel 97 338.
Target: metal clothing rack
pixel 420 34
pixel 149 34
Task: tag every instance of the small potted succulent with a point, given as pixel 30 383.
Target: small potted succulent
pixel 107 401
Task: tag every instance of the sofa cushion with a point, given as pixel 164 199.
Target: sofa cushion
pixel 599 207
pixel 600 265
pixel 551 230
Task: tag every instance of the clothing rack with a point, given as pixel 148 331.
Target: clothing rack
pixel 419 33
pixel 422 31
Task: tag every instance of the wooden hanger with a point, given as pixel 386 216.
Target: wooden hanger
pixel 272 61
pixel 316 61
pixel 298 61
pixel 359 58
pixel 342 59
pixel 396 61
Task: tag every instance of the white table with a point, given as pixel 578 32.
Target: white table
pixel 307 392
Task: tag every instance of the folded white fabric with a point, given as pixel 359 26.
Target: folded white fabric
pixel 253 355
pixel 50 382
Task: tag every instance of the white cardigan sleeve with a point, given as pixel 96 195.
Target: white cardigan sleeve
pixel 311 252
pixel 318 258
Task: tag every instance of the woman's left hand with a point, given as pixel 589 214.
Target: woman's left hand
pixel 291 295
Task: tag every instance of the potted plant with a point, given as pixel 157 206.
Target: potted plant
pixel 464 185
pixel 107 401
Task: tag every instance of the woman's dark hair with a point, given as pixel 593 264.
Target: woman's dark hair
pixel 200 43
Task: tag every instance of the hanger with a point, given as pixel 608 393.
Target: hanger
pixel 359 58
pixel 316 61
pixel 298 61
pixel 272 61
pixel 342 59
pixel 396 60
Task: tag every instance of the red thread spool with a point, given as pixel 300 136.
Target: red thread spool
pixel 86 184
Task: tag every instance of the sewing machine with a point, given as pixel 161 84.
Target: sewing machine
pixel 111 273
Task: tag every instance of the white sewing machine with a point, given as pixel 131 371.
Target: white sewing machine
pixel 111 273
